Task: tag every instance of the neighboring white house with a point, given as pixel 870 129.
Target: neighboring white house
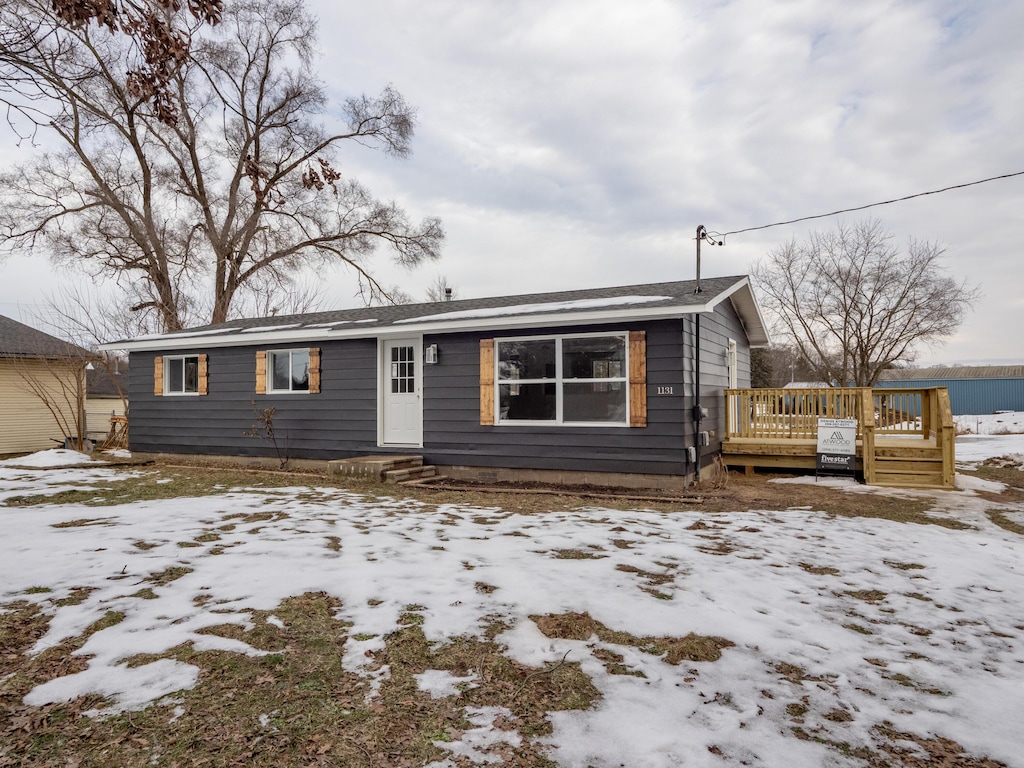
pixel 42 386
pixel 106 396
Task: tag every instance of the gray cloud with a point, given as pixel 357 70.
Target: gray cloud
pixel 580 142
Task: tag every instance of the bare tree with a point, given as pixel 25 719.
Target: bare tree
pixel 238 194
pixel 853 303
pixel 441 289
pixel 159 33
pixel 88 319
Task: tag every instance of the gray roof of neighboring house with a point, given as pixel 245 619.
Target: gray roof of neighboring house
pixel 20 340
pixel 99 382
pixel 955 372
pixel 615 304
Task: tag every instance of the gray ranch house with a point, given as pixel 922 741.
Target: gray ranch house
pixel 590 386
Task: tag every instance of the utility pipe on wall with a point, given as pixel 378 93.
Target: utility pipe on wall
pixel 698 411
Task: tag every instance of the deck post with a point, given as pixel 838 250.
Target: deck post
pixel 867 430
pixel 929 411
pixel 945 435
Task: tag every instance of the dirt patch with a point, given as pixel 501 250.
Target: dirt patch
pixel 1000 519
pixel 674 650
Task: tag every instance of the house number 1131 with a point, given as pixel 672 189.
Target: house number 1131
pixel 664 390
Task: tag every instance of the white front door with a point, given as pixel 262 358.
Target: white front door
pixel 401 411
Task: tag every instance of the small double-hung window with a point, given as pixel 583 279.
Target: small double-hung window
pixel 180 375
pixel 288 370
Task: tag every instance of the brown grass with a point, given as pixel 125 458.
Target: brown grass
pixel 294 706
pixel 1000 519
pixel 673 650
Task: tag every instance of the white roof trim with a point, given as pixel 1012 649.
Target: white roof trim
pixel 311 333
pixel 568 313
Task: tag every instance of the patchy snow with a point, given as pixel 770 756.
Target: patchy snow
pixel 992 423
pixel 440 683
pixel 483 736
pixel 181 334
pixel 944 630
pixel 529 309
pixel 262 328
pixel 116 453
pixel 331 324
pixel 55 457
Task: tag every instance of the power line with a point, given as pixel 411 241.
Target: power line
pixel 870 205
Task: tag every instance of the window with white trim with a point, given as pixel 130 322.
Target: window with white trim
pixel 579 379
pixel 288 370
pixel 181 375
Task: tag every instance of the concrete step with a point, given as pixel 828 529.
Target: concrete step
pixel 410 474
pixel 373 467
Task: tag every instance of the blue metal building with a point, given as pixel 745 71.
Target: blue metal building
pixel 973 389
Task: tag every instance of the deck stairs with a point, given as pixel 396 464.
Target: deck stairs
pixel 384 468
pixel 905 466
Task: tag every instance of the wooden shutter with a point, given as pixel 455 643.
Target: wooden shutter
pixel 203 386
pixel 261 372
pixel 158 375
pixel 487 381
pixel 314 370
pixel 638 378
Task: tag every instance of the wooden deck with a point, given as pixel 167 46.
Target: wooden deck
pixel 905 438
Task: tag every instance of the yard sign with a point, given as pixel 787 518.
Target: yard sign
pixel 837 446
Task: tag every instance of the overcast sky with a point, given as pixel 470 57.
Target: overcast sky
pixel 578 143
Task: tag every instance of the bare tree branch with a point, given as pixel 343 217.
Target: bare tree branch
pixel 227 202
pixel 853 303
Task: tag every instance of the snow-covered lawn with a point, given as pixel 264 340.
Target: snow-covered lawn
pixel 840 624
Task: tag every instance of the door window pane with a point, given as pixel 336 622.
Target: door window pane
pixel 403 370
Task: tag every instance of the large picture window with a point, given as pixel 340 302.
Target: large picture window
pixel 563 379
pixel 181 375
pixel 289 370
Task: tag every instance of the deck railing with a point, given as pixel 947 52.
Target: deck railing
pixel 774 414
pixel 902 411
pixel 790 413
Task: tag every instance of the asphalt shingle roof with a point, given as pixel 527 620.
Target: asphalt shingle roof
pixel 20 340
pixel 679 293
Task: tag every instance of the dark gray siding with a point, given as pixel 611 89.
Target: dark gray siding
pixel 341 421
pixel 453 434
pixel 716 329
